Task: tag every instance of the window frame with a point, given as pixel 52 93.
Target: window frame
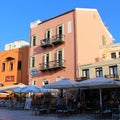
pixel 43 82
pixel 103 40
pixel 47 62
pixel 3 67
pixel 59 61
pixel 99 72
pixel 113 55
pixel 32 61
pixel 34 40
pixel 34 82
pixel 86 73
pixel 113 70
pixel 48 32
pixel 11 66
pixel 60 34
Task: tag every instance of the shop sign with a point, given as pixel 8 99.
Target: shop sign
pixel 9 78
pixel 33 72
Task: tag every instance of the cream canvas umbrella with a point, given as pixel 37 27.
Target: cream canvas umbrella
pixel 62 84
pixel 98 83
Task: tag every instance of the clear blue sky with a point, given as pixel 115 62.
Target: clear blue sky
pixel 16 15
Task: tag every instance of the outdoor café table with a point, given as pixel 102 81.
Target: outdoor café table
pixel 116 112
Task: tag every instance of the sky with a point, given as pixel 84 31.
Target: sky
pixel 16 16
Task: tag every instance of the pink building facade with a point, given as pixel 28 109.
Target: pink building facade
pixel 59 44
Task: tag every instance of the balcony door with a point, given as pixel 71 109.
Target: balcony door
pixel 59 32
pixel 60 57
pixel 47 60
pixel 47 36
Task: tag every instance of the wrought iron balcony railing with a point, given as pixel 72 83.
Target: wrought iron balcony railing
pixel 46 43
pixel 57 64
pixel 58 39
pixel 55 40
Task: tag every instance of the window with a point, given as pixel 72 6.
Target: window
pixel 45 82
pixel 47 60
pixel 47 37
pixel 103 40
pixel 32 62
pixel 60 32
pixel 99 72
pixel 113 71
pixel 34 40
pixel 11 66
pixel 119 54
pixel 3 66
pixel 34 82
pixel 10 46
pixel 69 25
pixel 19 65
pixel 59 57
pixel 48 34
pixel 113 55
pixel 85 73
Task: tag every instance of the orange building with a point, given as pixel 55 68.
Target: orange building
pixel 14 66
pixel 60 44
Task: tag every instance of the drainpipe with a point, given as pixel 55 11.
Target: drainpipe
pixel 75 45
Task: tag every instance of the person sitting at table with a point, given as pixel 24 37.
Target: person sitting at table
pixel 109 102
pixel 78 106
pixel 58 102
pixel 83 106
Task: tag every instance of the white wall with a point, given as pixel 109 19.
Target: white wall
pixel 16 44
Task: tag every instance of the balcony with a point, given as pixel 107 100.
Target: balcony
pixel 82 78
pixel 112 76
pixel 58 39
pixel 52 65
pixel 46 43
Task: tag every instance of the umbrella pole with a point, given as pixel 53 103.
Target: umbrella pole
pixel 80 94
pixel 100 98
pixel 66 98
pixel 19 96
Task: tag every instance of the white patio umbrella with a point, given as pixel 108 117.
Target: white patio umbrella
pixel 98 83
pixel 16 90
pixel 31 88
pixel 12 87
pixel 61 84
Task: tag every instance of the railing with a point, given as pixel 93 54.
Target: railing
pixel 46 43
pixel 112 76
pixel 55 40
pixel 58 39
pixel 52 65
pixel 82 78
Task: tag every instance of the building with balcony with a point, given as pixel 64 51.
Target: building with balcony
pixel 58 45
pixel 14 66
pixel 107 65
